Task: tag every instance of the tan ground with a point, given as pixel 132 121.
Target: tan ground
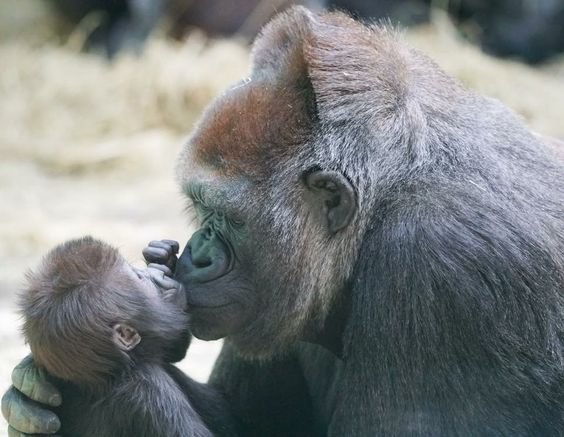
pixel 88 147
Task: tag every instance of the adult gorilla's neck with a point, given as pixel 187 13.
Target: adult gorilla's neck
pixel 330 336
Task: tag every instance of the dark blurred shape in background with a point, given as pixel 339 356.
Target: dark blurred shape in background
pixel 126 24
pixel 531 30
pixel 119 24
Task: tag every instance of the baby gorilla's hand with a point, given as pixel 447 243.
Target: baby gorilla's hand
pixel 163 253
pixel 171 290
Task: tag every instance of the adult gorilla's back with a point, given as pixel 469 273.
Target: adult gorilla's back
pixel 396 244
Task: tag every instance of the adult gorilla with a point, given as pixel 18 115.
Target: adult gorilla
pixel 389 246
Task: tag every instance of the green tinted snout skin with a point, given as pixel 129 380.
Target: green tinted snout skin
pixel 205 258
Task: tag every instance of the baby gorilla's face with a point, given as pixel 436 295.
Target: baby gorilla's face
pixel 163 331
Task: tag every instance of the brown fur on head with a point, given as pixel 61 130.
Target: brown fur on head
pixel 69 307
pixel 308 104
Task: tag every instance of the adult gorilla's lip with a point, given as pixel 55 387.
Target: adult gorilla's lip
pixel 202 299
pixel 203 307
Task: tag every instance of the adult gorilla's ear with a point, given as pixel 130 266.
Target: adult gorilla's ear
pixel 333 196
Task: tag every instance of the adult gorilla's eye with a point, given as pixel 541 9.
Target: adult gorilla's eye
pixel 205 213
pixel 202 211
pixel 237 222
pixel 228 222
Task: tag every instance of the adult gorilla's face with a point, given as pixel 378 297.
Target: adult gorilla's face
pixel 220 294
pixel 260 268
pixel 274 247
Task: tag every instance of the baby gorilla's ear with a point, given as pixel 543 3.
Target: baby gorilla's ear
pixel 125 336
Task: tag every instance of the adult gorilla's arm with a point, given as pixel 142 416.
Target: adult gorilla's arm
pixel 268 398
pixel 25 405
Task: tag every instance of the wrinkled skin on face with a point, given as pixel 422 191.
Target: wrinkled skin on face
pixel 204 259
pixel 248 271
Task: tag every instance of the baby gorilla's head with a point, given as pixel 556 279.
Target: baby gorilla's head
pixel 88 314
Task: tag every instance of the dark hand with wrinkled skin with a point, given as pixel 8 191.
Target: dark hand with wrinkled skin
pixel 24 416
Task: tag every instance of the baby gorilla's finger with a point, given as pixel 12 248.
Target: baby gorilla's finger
pixel 167 283
pixel 159 277
pixel 160 267
pixel 172 249
pixel 162 244
pixel 176 296
pixel 26 416
pixel 174 246
pixel 155 255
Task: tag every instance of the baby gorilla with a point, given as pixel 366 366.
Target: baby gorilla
pixel 108 332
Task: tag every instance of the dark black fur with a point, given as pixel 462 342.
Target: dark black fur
pixel 122 24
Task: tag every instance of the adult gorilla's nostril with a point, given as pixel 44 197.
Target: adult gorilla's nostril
pixel 201 258
pixel 205 258
pixel 202 263
pixel 200 248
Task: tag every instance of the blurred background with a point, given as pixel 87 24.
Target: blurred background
pixel 97 96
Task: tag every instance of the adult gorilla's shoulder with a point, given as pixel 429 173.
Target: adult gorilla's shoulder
pixel 356 202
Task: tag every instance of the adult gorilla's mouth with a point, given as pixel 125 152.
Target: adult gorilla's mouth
pixel 200 296
pixel 203 269
pixel 208 307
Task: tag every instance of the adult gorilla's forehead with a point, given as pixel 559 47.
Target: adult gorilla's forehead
pixel 250 129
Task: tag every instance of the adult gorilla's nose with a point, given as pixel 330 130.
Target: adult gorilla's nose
pixel 200 248
pixel 205 258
